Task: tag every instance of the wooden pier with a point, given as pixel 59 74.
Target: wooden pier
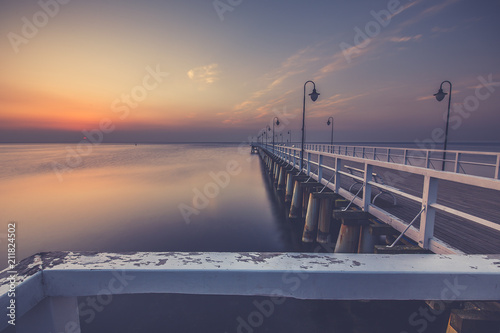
pixel 450 211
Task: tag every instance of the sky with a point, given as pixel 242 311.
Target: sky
pixel 212 71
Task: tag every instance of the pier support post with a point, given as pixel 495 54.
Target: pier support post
pixel 296 207
pixel 366 240
pixel 308 188
pixel 282 177
pixel 289 187
pixel 348 239
pixel 325 216
pixel 311 219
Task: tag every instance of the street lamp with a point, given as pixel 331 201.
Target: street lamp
pixel 328 123
pixel 314 96
pixel 277 122
pixel 290 134
pixel 439 97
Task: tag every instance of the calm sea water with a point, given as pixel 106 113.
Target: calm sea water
pixel 137 198
pixel 175 197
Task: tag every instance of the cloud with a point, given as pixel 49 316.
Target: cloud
pixel 205 74
pixel 429 11
pixel 274 80
pixel 405 39
pixel 424 98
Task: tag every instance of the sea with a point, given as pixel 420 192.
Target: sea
pixel 173 197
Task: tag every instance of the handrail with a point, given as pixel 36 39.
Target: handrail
pixel 428 201
pixel 425 157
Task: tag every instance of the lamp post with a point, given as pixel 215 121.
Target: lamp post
pixel 439 97
pixel 330 123
pixel 281 137
pixel 290 134
pixel 276 122
pixel 314 96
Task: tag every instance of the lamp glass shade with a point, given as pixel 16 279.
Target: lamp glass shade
pixel 440 95
pixel 314 95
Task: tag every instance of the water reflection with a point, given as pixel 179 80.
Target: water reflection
pixel 126 198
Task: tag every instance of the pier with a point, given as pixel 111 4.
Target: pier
pixel 400 229
pixel 456 211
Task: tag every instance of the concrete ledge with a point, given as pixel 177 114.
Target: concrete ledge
pixel 296 275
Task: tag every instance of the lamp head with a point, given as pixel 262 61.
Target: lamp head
pixel 328 122
pixel 314 95
pixel 277 122
pixel 440 95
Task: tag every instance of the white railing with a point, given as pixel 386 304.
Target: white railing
pixel 484 164
pixel 47 286
pixel 370 157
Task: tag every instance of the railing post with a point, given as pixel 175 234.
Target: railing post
pixel 405 156
pixel 320 168
pixel 367 192
pixel 427 219
pixel 427 159
pixel 457 162
pixel 338 165
pixel 301 165
pixel 308 163
pixel 388 154
pixel 374 154
pixel 363 152
pixel 497 168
